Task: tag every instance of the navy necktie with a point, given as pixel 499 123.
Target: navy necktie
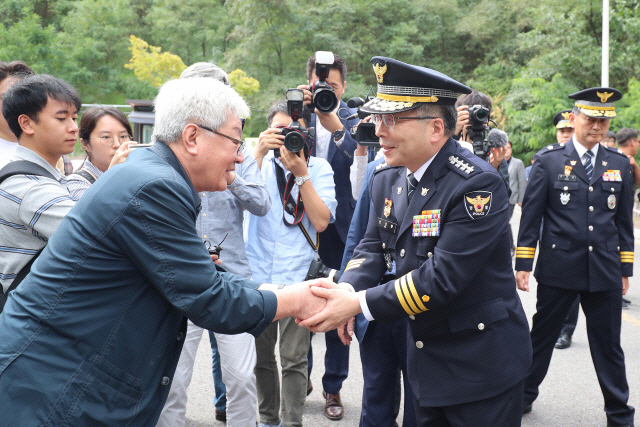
pixel 588 165
pixel 412 183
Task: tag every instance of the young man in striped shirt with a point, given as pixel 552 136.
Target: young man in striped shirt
pixel 41 111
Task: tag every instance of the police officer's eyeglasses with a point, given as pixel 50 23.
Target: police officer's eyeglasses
pixel 240 143
pixel 107 140
pixel 389 120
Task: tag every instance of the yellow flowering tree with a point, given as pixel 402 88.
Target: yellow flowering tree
pixel 243 84
pixel 152 65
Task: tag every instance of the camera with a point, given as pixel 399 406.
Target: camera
pixel 296 136
pixel 317 270
pixel 366 132
pixel 477 130
pixel 324 97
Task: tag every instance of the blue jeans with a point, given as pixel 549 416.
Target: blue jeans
pixel 220 399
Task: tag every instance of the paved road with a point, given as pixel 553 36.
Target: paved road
pixel 570 395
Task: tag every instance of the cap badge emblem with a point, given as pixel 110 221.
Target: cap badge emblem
pixel 381 70
pixel 604 96
pixel 565 116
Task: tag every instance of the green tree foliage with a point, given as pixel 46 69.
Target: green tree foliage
pixel 527 56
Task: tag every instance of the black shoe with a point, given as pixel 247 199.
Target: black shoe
pixel 221 416
pixel 625 304
pixel 564 341
pixel 626 300
pixel 526 408
pixel 309 387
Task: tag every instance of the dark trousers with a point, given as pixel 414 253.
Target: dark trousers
pixel 572 318
pixel 383 353
pixel 503 410
pixel 602 312
pixel 511 208
pixel 336 358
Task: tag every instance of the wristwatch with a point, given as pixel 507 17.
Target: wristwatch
pixel 299 180
pixel 337 135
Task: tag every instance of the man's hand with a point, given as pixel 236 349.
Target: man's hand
pixel 345 332
pixel 522 280
pixel 342 305
pixel 463 121
pixel 296 300
pixel 215 259
pixel 308 95
pixel 268 140
pixel 329 121
pixel 294 163
pixel 496 156
pixel 625 285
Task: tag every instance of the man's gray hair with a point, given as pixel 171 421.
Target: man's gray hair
pixel 199 100
pixel 497 138
pixel 206 69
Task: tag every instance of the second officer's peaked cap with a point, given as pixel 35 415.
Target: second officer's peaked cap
pixel 597 102
pixel 561 120
pixel 402 87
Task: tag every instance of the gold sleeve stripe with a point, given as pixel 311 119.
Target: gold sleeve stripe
pixel 403 303
pixel 525 249
pixel 414 293
pixel 624 253
pixel 525 256
pixel 354 263
pixel 407 296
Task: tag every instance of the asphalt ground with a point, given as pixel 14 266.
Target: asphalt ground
pixel 569 396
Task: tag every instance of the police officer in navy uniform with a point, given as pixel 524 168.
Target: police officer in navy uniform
pixel 442 215
pixel 584 193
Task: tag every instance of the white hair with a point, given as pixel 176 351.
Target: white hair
pixel 497 138
pixel 206 69
pixel 199 100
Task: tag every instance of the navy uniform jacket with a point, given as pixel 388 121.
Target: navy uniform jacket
pixel 340 159
pixel 469 334
pixel 587 236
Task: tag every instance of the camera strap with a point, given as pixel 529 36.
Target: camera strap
pixel 285 187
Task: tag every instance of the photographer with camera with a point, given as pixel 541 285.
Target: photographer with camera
pixel 326 82
pixel 472 127
pixel 281 246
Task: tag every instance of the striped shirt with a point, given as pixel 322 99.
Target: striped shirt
pixel 77 184
pixel 31 208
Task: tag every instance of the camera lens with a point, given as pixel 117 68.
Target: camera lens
pixel 294 142
pixel 481 114
pixel 325 100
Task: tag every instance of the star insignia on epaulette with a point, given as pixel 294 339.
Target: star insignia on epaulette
pixel 380 166
pixel 461 164
pixel 549 147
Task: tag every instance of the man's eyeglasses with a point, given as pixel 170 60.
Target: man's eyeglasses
pixel 389 120
pixel 240 143
pixel 107 140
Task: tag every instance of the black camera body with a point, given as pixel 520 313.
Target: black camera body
pixel 477 130
pixel 366 135
pixel 317 270
pixel 296 137
pixel 324 96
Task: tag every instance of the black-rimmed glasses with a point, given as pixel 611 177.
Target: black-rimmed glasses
pixel 240 143
pixel 107 140
pixel 389 120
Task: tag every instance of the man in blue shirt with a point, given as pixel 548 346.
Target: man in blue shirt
pixel 92 336
pixel 280 252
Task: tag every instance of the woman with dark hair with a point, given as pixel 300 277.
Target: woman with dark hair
pixel 105 134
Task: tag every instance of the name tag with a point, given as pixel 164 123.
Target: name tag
pixel 387 225
pixel 566 177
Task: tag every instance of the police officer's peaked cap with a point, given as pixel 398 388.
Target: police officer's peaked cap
pixel 561 120
pixel 402 87
pixel 597 102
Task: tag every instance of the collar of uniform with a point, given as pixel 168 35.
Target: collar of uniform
pixel 581 149
pixel 168 155
pixel 24 153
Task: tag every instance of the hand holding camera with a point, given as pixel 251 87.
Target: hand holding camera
pixel 296 163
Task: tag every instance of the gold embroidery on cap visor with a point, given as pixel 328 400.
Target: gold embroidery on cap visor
pixel 524 252
pixel 408 296
pixel 626 256
pixel 597 112
pixel 562 124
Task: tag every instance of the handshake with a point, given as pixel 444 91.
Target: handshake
pixel 320 306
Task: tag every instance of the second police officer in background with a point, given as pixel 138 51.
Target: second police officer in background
pixel 441 214
pixel 584 192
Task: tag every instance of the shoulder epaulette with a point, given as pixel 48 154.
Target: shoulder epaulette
pixel 463 166
pixel 615 150
pixel 382 167
pixel 551 147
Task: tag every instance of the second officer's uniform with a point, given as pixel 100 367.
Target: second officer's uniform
pixel 468 347
pixel 584 201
